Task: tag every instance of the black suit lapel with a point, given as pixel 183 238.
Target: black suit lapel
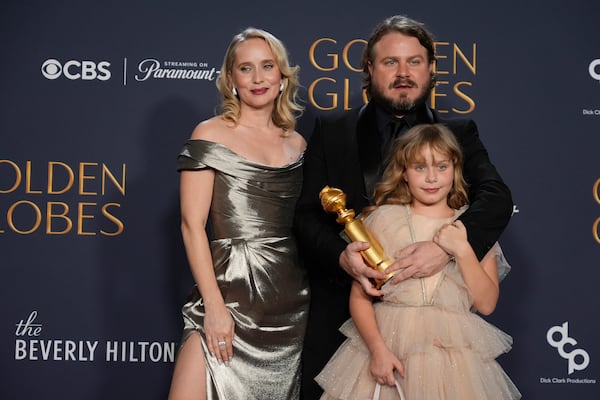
pixel 369 144
pixel 369 148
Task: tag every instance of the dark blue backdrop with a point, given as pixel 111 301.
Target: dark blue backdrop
pixel 92 115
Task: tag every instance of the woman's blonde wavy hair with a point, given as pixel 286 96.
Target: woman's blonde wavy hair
pixel 286 108
pixel 393 188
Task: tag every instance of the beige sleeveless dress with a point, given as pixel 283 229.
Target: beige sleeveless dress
pixel 448 351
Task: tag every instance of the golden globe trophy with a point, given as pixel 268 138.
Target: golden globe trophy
pixel 333 200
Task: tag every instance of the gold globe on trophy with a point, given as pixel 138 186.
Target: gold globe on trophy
pixel 333 200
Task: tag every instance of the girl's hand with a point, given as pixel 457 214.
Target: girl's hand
pixel 452 237
pixel 383 364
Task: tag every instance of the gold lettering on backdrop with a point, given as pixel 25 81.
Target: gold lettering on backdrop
pixel 119 185
pixel 83 177
pixel 341 86
pixel 596 225
pixel 347 50
pixel 471 64
pixel 87 171
pixel 28 180
pixel 38 217
pixel 113 219
pixel 52 215
pixel 332 95
pixel 326 97
pixel 53 206
pixel 443 68
pixel 51 174
pixel 457 55
pixel 18 176
pixel 333 56
pixel 439 59
pixel 438 91
pixel 462 95
pixel 81 216
pixel 435 93
pixel 346 90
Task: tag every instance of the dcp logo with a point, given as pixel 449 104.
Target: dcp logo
pixel 563 331
pixel 73 70
pixel 594 69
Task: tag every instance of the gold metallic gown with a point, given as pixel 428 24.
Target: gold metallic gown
pixel 257 269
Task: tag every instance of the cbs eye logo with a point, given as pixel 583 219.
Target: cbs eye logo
pixel 74 70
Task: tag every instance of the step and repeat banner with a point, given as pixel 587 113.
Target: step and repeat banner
pixel 96 99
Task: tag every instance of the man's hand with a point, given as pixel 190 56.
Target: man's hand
pixel 418 260
pixel 353 263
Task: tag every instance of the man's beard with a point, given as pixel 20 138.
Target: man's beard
pixel 400 105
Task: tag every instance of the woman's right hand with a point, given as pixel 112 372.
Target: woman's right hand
pixel 219 330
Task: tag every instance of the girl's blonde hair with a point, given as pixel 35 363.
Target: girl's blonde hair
pixel 393 189
pixel 287 108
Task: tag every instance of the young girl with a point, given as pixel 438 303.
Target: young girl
pixel 423 334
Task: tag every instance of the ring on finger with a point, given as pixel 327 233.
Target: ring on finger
pixel 221 343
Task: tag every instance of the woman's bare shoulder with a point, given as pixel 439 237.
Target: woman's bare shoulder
pixel 212 130
pixel 298 141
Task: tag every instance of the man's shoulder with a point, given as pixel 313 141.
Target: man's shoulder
pixel 456 124
pixel 340 117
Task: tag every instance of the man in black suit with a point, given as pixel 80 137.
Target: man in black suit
pixel 348 153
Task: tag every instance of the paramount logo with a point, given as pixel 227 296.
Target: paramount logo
pixel 151 68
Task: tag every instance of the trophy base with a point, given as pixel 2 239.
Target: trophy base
pixel 380 283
